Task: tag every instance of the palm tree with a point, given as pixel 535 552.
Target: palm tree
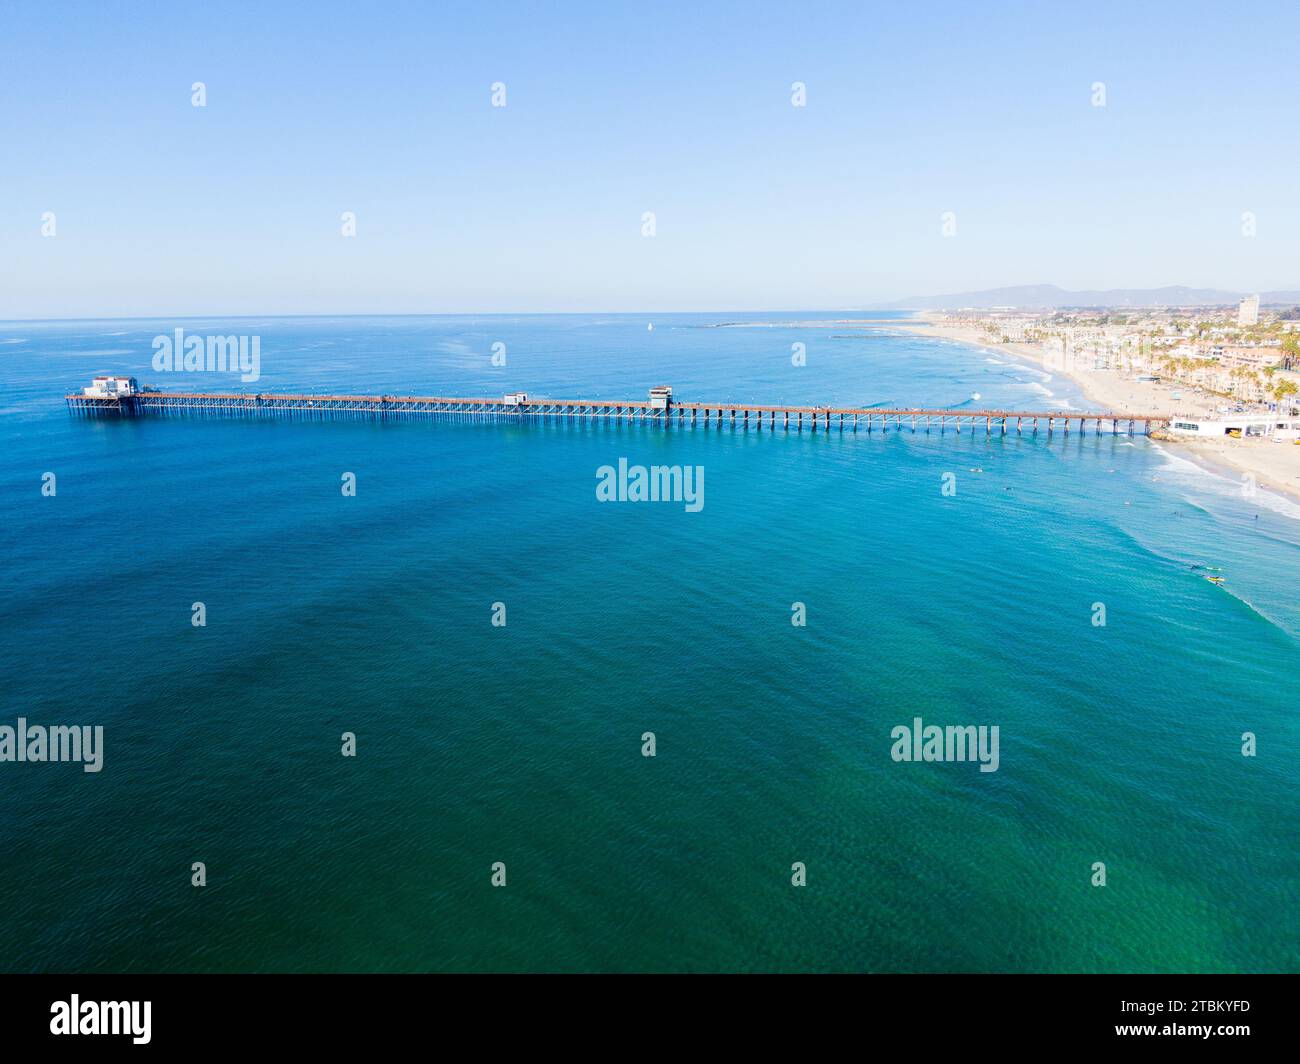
pixel 1281 389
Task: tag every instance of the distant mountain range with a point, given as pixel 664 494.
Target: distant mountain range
pixel 1050 297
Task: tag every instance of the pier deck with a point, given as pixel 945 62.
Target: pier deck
pixel 741 415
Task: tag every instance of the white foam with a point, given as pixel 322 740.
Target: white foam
pixel 1194 475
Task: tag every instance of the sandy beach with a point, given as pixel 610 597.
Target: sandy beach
pixel 1273 465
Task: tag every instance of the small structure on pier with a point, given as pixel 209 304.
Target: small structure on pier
pixel 661 397
pixel 112 388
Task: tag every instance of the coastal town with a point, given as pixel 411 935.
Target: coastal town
pixel 1228 376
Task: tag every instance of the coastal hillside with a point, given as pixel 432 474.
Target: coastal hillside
pixel 1050 297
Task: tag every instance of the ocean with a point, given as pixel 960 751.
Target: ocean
pixel 522 744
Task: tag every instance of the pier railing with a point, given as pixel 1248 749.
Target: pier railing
pixel 736 415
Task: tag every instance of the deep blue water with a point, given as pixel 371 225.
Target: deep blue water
pixel 522 744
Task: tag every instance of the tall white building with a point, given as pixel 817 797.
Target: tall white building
pixel 1248 311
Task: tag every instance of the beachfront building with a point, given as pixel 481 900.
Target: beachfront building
pixel 1245 426
pixel 1247 369
pixel 1248 311
pixel 1256 357
pixel 1002 327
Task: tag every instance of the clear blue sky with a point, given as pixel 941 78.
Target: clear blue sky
pixel 681 109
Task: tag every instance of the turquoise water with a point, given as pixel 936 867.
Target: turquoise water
pixel 522 744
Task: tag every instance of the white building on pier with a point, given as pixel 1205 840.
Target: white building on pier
pixel 112 388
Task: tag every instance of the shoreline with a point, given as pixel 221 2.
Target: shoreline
pixel 1275 466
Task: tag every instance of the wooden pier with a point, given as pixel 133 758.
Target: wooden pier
pixel 756 416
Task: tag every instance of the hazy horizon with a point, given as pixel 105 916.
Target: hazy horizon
pixel 473 312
